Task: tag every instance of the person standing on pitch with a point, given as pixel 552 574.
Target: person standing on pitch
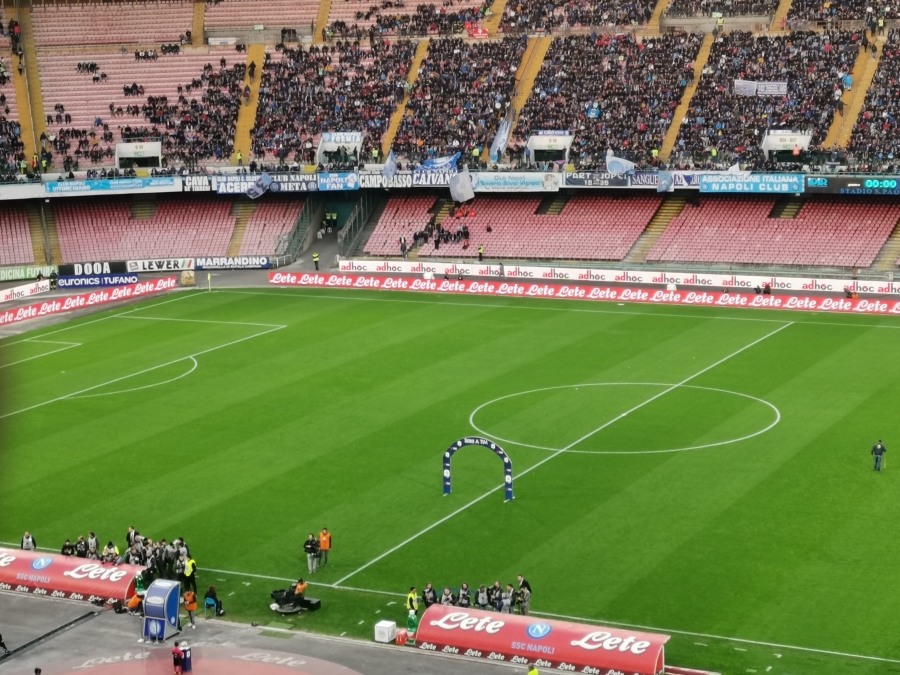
pixel 311 547
pixel 878 451
pixel 324 546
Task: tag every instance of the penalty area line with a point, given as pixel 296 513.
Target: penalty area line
pixel 561 451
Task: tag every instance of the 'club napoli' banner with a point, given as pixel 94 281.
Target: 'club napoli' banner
pixel 440 164
pixel 780 183
pixel 516 182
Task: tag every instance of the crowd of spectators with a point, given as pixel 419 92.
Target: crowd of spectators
pixel 12 149
pixel 614 92
pixel 875 142
pixel 462 93
pixel 530 16
pixel 690 8
pixel 721 127
pixel 338 87
pixel 843 10
pixel 428 19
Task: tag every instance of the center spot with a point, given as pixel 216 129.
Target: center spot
pixel 616 418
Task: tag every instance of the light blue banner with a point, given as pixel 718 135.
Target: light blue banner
pixel 767 183
pixel 516 182
pixel 335 182
pixel 108 184
pixel 440 163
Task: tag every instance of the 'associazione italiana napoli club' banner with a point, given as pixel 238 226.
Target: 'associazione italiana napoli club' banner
pixel 781 183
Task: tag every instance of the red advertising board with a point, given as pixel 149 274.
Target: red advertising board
pixel 85 300
pixel 528 289
pixel 60 576
pixel 561 645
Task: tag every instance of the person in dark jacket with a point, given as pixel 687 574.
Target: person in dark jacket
pixel 211 595
pixel 311 548
pixel 465 596
pixel 429 597
pixel 67 549
pixel 878 451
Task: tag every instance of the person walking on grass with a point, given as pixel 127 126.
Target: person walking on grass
pixel 878 451
pixel 311 547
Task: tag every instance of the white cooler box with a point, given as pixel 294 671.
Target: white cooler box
pixel 385 631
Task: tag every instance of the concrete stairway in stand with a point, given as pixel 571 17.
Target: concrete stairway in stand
pixel 369 228
pixel 51 232
pixel 321 21
pixel 38 243
pixel 247 114
pixel 492 23
pixel 781 14
pixel 38 118
pixel 199 24
pixel 887 257
pixel 862 81
pixel 143 207
pixel 532 60
pixel 658 11
pixel 672 206
pixel 388 139
pixel 678 117
pixel 243 209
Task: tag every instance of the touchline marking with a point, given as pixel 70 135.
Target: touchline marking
pixel 146 386
pixel 625 452
pixel 69 345
pixel 227 323
pixel 141 372
pixel 557 453
pixel 567 617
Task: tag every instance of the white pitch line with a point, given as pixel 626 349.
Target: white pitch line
pixel 141 372
pixel 39 356
pixel 557 453
pixel 146 386
pixel 227 323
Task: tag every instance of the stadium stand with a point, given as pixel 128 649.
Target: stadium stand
pixel 273 14
pixel 268 224
pixel 15 237
pixel 199 126
pixel 462 92
pixel 841 10
pixel 530 16
pixel 11 146
pixel 587 228
pixel 689 8
pixel 875 143
pixel 105 229
pixel 341 87
pixel 635 84
pixel 721 128
pixel 829 232
pixel 359 18
pixel 99 23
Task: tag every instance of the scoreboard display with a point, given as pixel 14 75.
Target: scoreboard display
pixel 853 185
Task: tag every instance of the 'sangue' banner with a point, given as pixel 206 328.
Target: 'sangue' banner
pixel 61 576
pixel 85 300
pixel 527 289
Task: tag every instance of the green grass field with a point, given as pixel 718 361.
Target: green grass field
pixel 243 420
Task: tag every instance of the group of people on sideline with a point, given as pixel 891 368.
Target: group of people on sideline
pixel 514 597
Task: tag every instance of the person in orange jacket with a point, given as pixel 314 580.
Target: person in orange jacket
pixel 190 604
pixel 324 546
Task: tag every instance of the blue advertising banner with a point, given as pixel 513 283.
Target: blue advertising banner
pixel 335 182
pixel 97 281
pixel 781 183
pixel 57 187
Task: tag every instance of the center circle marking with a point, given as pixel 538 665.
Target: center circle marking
pixel 625 452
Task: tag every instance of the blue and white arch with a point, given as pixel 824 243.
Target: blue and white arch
pixel 490 445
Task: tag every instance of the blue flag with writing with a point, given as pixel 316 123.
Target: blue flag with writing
pixel 390 167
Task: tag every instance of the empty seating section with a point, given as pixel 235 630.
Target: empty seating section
pixel 875 142
pixel 272 220
pixel 207 132
pixel 527 16
pixel 340 87
pixel 826 232
pixel 273 14
pixel 357 17
pixel 687 8
pixel 150 23
pixel 733 126
pixel 403 215
pixel 105 230
pixel 462 92
pixel 15 237
pixel 612 92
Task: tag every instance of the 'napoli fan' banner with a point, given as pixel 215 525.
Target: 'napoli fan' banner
pixel 85 300
pixel 550 644
pixel 61 576
pixel 525 289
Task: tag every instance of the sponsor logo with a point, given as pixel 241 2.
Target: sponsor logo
pixel 604 640
pixel 155 600
pixel 539 630
pixel 265 657
pixel 104 660
pixel 41 563
pixel 245 262
pixel 95 571
pixel 464 621
pixel 160 265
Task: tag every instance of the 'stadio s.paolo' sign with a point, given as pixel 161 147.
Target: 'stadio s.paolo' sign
pixel 561 645
pixel 60 576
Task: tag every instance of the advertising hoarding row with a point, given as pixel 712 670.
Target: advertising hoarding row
pixel 24 291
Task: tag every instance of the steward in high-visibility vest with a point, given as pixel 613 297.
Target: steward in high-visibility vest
pixel 324 546
pixel 316 260
pixel 412 600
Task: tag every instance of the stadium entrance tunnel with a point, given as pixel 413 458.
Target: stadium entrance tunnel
pixel 624 418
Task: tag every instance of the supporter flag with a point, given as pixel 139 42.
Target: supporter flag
pixel 666 182
pixel 390 167
pixel 734 168
pixel 501 139
pixel 617 165
pixel 440 163
pixel 461 186
pixel 260 187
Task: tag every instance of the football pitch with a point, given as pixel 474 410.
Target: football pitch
pixel 700 472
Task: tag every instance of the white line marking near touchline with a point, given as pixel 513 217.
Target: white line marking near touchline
pixel 68 345
pixel 146 386
pixel 557 453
